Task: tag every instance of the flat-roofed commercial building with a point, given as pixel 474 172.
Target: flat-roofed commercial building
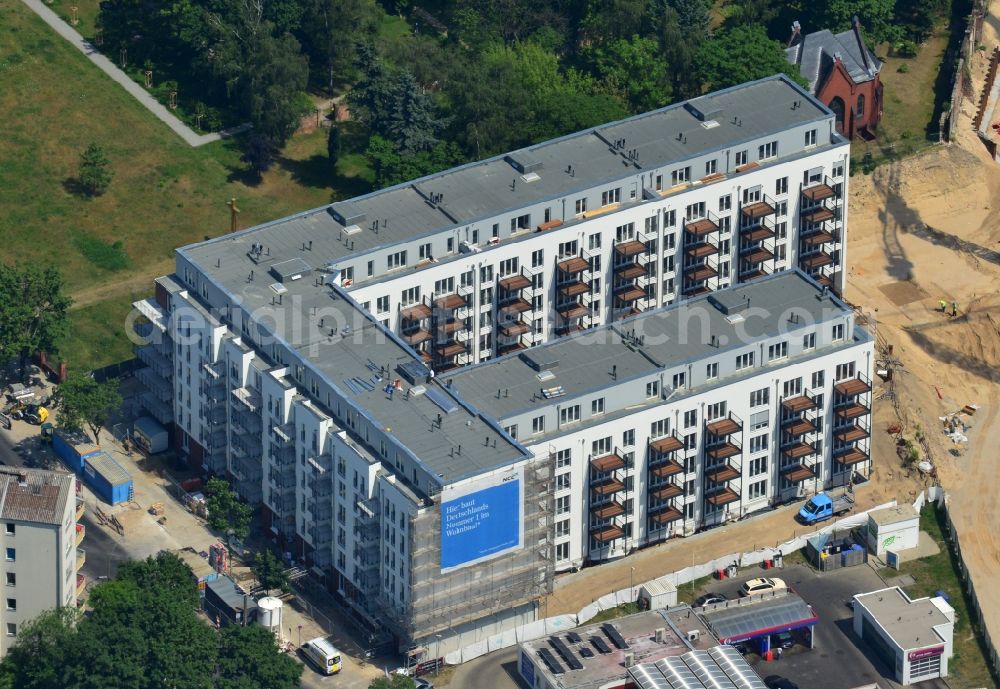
pixel 912 636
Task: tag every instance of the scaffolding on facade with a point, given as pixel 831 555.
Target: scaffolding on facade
pixel 439 601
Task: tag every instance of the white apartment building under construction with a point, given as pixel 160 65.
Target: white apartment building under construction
pixel 412 384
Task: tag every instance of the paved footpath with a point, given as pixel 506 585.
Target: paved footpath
pixel 138 92
pixel 577 590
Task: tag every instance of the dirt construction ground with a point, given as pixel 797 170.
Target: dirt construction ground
pixel 923 230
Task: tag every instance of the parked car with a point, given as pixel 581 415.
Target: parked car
pixel 422 683
pixel 776 682
pixel 709 599
pixel 762 585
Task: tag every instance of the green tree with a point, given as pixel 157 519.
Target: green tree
pixel 738 55
pixel 761 12
pixel 269 571
pixel 678 52
pixel 609 20
pixel 259 152
pixel 877 17
pixel 94 174
pixel 225 511
pixel 33 311
pixel 86 403
pixel 693 17
pixel 413 123
pixel 333 146
pixel 250 659
pixel 373 95
pixel 44 649
pixel 332 31
pixel 393 682
pixel 277 77
pixel 392 167
pixel 164 572
pixel 635 69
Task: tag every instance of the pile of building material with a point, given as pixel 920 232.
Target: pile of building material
pixel 954 424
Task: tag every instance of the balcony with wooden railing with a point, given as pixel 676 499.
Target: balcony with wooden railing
pixel 702 247
pixel 798 426
pixel 797 473
pixel 607 510
pixel 817 259
pixel 662 514
pixel 800 402
pixel 727 425
pixel 756 229
pixel 798 450
pixel 721 496
pixel 818 191
pixel 81 533
pixel 607 534
pixel 760 208
pixel 849 456
pixel 701 226
pixel 849 410
pixel 852 387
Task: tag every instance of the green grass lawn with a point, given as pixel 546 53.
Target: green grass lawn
pixel 968 667
pixel 86 12
pixel 164 193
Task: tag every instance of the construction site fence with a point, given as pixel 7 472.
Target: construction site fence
pixel 940 498
pixel 550 625
pixel 961 85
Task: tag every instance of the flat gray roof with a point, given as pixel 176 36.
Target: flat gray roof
pixel 488 188
pixel 672 336
pixel 361 349
pixel 910 623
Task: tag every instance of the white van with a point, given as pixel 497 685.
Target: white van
pixel 323 655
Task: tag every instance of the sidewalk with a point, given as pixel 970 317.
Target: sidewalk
pixel 144 97
pixel 575 591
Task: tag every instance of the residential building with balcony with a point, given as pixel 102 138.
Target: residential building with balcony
pixel 40 540
pixel 329 363
pixel 689 416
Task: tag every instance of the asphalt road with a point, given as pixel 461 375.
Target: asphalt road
pixel 492 671
pixel 104 552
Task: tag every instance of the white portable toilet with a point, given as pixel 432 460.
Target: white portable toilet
pixel 269 614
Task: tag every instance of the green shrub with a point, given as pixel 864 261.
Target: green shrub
pixel 903 68
pixel 905 48
pixel 106 255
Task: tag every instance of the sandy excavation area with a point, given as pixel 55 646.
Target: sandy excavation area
pixel 923 230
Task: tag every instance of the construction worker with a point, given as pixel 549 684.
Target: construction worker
pixel 954 308
pixel 942 305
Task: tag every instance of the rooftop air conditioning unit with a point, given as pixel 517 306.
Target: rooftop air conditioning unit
pixel 629 659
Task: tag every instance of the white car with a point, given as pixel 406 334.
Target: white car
pixel 762 585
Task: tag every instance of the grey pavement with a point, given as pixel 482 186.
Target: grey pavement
pixel 138 92
pixel 497 670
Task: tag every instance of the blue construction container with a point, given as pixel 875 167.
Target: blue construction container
pixel 72 447
pixel 107 478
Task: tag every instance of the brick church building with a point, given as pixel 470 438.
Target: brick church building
pixel 843 73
